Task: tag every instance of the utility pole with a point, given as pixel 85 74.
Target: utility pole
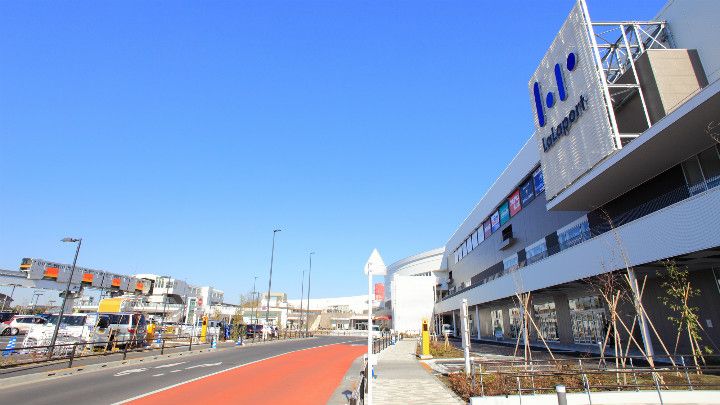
pixel 302 294
pixel 65 295
pixel 272 256
pixel 11 295
pixel 253 317
pixel 307 313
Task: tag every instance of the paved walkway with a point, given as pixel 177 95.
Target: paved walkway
pixel 401 379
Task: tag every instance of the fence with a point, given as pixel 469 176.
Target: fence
pixel 593 374
pixel 70 352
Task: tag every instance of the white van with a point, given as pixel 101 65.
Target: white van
pixel 74 328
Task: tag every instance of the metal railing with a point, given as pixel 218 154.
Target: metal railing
pixel 519 377
pixel 70 352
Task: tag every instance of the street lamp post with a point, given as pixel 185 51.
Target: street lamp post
pixel 36 295
pixel 65 295
pixel 307 313
pixel 166 280
pixel 302 294
pixel 253 316
pixel 272 257
pixel 11 295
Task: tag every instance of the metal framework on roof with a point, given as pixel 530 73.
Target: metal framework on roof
pixel 617 45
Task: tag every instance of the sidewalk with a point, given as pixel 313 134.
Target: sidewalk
pixel 401 379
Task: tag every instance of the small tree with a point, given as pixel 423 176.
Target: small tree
pixel 678 293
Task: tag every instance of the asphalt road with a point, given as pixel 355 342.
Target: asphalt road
pixel 123 383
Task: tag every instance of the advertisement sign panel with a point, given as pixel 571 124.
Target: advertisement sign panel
pixel 514 203
pixel 487 231
pixel 495 221
pixel 527 194
pixel 568 99
pixel 539 181
pixel 504 211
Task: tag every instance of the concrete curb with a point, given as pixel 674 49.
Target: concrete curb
pixel 8 382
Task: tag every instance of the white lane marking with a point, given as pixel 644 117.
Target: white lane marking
pixel 204 365
pixel 176 371
pixel 158 375
pixel 222 371
pixel 171 364
pixel 131 371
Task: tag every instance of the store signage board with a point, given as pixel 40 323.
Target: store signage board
pixel 573 131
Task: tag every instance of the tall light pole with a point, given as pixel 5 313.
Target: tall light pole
pixel 307 313
pixel 66 293
pixel 36 295
pixel 272 256
pixel 253 317
pixel 166 281
pixel 11 295
pixel 302 294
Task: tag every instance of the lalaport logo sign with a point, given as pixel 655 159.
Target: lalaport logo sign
pixel 563 128
pixel 569 104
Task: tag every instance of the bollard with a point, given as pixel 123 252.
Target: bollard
pixel 125 347
pixel 162 347
pixel 72 355
pixel 561 394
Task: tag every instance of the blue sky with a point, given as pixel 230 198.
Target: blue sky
pixel 174 136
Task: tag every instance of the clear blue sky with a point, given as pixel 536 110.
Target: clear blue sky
pixel 174 136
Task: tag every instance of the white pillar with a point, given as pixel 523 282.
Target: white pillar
pixel 370 340
pixel 641 315
pixel 477 320
pixel 453 320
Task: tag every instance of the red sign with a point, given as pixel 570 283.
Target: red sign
pixel 199 301
pixel 515 206
pixel 379 291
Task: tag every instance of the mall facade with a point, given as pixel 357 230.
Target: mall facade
pixel 620 175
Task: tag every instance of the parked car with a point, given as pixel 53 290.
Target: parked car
pixel 127 327
pixel 5 318
pixel 74 328
pixel 252 330
pixel 23 323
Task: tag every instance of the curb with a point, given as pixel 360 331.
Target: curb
pixel 8 382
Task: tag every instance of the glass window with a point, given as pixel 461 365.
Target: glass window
pixel 575 233
pixel 536 252
pixel 510 263
pixel 497 323
pixel 587 317
pixel 546 319
pixel 515 322
pixel 693 175
pixel 710 164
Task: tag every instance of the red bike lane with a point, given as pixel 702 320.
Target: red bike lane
pixel 304 377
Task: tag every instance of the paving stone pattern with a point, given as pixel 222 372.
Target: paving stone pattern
pixel 400 379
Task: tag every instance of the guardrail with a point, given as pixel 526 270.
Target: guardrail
pixel 39 354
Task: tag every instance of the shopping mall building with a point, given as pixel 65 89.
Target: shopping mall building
pixel 621 172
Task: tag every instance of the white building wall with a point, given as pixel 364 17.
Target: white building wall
pixel 694 24
pixel 357 303
pixel 521 165
pixel 412 301
pixel 648 239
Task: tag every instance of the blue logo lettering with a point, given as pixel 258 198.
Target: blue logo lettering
pixel 550 96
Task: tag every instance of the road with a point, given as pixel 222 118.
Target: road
pixel 297 372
